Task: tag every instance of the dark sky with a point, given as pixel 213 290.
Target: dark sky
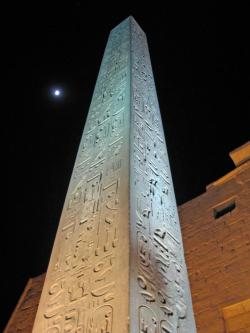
pixel 200 59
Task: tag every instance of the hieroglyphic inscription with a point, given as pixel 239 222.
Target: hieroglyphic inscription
pixel 119 233
pixel 82 292
pixel 160 299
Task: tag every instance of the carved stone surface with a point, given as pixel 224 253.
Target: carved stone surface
pixel 159 296
pixel 117 265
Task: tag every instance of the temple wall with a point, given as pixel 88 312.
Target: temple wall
pixel 216 236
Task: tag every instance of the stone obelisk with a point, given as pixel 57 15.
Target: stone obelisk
pixel 117 264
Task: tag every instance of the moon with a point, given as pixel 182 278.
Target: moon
pixel 57 92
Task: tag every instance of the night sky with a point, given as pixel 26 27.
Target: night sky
pixel 200 59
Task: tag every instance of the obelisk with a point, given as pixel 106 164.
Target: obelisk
pixel 117 264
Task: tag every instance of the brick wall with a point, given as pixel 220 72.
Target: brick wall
pixel 216 236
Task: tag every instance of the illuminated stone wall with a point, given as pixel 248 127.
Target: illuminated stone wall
pixel 117 264
pixel 216 234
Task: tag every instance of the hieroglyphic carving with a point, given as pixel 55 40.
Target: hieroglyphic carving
pixel 121 166
pixel 161 295
pixel 83 281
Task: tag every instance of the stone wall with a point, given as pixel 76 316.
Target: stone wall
pixel 23 316
pixel 216 236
